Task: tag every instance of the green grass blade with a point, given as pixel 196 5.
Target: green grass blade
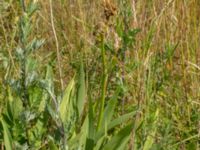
pixel 121 120
pixel 99 143
pixel 115 123
pixel 91 128
pixel 120 140
pixel 79 139
pixel 81 90
pixel 7 136
pixel 109 110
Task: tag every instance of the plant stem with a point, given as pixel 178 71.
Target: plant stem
pixel 23 80
pixel 104 84
pixel 23 40
pixel 23 5
pixel 125 21
pixel 60 70
pixel 57 46
pixel 25 95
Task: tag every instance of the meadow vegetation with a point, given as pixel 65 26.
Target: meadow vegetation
pixel 100 74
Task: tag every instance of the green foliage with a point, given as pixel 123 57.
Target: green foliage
pixel 66 105
pixel 120 140
pixel 7 136
pixel 118 95
pixel 44 119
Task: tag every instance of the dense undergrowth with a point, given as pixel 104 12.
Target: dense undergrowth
pixel 99 74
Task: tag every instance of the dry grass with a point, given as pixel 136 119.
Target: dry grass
pixel 151 80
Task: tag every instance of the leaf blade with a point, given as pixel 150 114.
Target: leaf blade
pixel 64 105
pixel 7 136
pixel 81 90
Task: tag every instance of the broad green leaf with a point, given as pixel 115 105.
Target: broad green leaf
pixel 89 144
pixel 91 121
pixel 49 83
pixel 120 120
pixel 91 128
pixel 120 140
pixel 81 90
pixel 115 123
pixel 65 103
pixel 7 136
pixel 109 110
pixel 99 143
pixel 80 138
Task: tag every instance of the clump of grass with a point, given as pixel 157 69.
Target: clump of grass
pixel 131 70
pixel 59 118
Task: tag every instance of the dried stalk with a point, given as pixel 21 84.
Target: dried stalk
pixel 57 45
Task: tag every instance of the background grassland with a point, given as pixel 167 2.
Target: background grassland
pixel 149 49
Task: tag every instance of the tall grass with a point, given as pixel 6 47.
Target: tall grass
pixel 109 74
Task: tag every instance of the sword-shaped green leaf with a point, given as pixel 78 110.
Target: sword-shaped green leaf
pixel 7 136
